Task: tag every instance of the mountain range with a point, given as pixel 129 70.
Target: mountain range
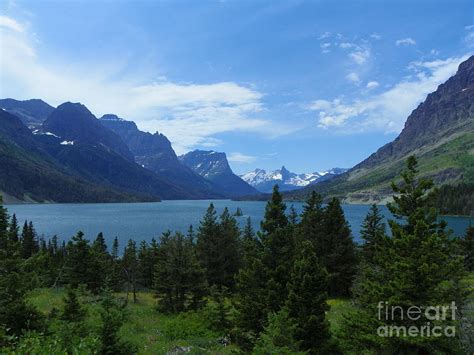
pixel 66 154
pixel 109 157
pixel 439 132
pixel 264 181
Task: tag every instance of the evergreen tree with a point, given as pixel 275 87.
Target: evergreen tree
pixel 251 246
pixel 306 302
pixel 279 336
pixel 418 266
pixel 219 310
pixel 467 245
pixel 218 247
pixel 14 230
pixel 179 281
pixel 373 233
pixel 191 235
pixel 16 314
pixel 337 250
pixel 114 281
pixel 79 261
pixel 230 249
pixel 29 243
pixel 100 261
pixel 113 316
pixel 73 311
pixel 130 267
pixel 208 246
pixel 274 213
pixel 311 226
pixel 293 216
pixel 4 224
pixel 115 249
pixel 251 303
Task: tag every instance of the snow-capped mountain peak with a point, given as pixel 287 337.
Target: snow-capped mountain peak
pixel 264 180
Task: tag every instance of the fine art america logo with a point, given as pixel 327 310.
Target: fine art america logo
pixel 419 321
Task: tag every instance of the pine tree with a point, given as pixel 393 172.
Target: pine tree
pixel 467 248
pixel 179 281
pixel 337 250
pixel 79 261
pixel 418 266
pixel 251 246
pixel 73 311
pixel 279 336
pixel 29 243
pixel 130 268
pixel 4 224
pixel 373 233
pixel 112 316
pixel 306 301
pixel 114 281
pixel 293 216
pixel 230 249
pixel 115 249
pixel 274 213
pixel 311 226
pixel 14 230
pixel 218 247
pixel 16 314
pixel 251 303
pixel 100 261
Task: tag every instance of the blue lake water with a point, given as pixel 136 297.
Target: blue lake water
pixel 143 221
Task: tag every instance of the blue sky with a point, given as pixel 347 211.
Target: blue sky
pixel 306 84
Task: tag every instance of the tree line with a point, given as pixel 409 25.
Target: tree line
pixel 268 290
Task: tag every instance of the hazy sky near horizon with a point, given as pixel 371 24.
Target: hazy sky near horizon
pixel 306 84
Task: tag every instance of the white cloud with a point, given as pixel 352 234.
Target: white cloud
pixel 325 47
pixel 324 35
pixel 353 77
pixel 189 114
pixel 388 110
pixel 405 42
pixel 360 55
pixel 11 24
pixel 372 85
pixel 237 157
pixel 375 36
pixel 346 45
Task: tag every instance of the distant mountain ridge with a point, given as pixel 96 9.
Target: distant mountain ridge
pixel 264 181
pixel 30 173
pixel 214 167
pixel 73 122
pixel 439 132
pixel 154 152
pixel 32 112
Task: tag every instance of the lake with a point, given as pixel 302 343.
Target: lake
pixel 143 221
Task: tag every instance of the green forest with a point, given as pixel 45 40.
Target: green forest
pixel 299 285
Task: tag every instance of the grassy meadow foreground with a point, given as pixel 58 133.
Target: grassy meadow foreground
pixel 157 333
pixel 300 285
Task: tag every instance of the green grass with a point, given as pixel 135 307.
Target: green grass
pixel 152 332
pixel 156 333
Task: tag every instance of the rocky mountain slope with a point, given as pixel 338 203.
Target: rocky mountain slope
pixel 214 167
pixel 439 132
pixel 264 181
pixel 29 173
pixel 154 152
pixel 32 112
